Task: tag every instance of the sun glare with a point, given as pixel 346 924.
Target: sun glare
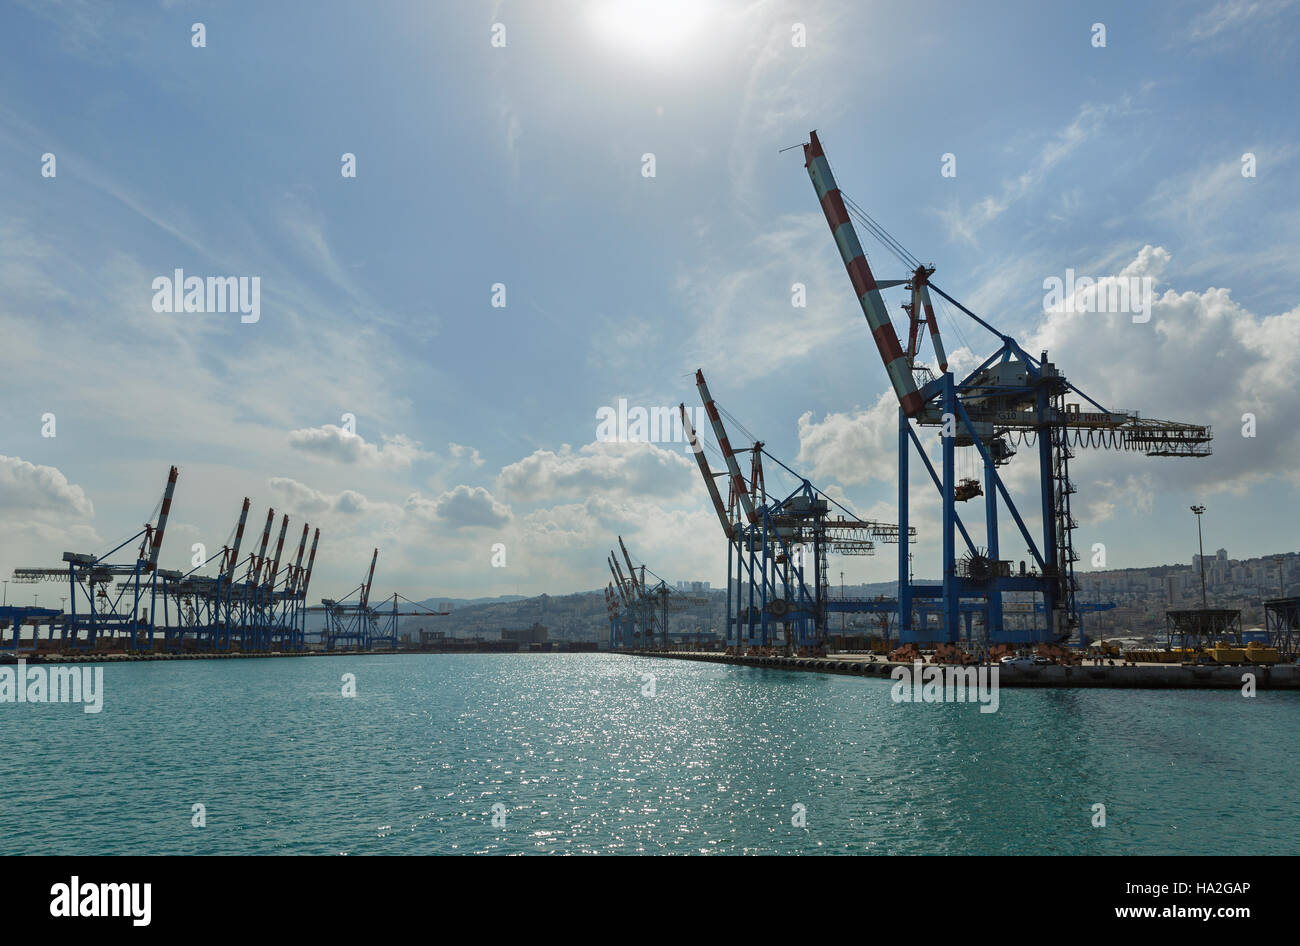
pixel 650 29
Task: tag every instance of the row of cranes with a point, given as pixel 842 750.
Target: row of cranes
pixel 777 547
pixel 778 585
pixel 638 608
pixel 250 604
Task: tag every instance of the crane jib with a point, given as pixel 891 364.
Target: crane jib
pixel 860 275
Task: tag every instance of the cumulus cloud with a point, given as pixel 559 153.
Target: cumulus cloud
pixel 1202 358
pixel 334 443
pixel 44 513
pixel 27 487
pixel 462 507
pixel 613 468
pixel 302 499
pixel 853 448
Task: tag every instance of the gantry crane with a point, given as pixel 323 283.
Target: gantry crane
pixel 628 635
pixel 1011 399
pixel 777 549
pixel 100 610
pixel 646 635
pixel 386 631
pixel 650 601
pixel 354 624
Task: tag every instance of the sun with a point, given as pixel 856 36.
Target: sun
pixel 650 29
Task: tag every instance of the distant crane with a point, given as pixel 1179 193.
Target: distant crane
pixel 352 624
pixel 654 602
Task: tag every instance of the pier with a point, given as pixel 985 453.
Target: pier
pixel 1117 676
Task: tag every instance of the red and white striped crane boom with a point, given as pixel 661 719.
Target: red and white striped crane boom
pixel 156 545
pixel 365 591
pixel 864 282
pixel 702 460
pixel 232 553
pixel 738 488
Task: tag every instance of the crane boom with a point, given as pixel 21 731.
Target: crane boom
pixel 618 579
pixel 279 547
pixel 705 472
pixel 311 560
pixel 255 564
pixel 162 520
pixel 365 593
pixel 738 488
pixel 239 539
pixel 864 282
pixel 295 575
pixel 636 585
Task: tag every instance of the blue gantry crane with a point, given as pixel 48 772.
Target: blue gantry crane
pixel 777 547
pixel 98 609
pixel 351 625
pixel 1012 399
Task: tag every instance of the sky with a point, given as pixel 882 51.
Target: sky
pixel 557 206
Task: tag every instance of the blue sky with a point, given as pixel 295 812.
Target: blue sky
pixel 522 165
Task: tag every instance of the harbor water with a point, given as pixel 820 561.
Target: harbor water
pixel 580 753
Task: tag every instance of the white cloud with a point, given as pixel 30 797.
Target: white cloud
pixel 295 497
pixel 469 454
pixel 28 488
pixel 1231 16
pixel 43 513
pixel 853 448
pixel 617 469
pixel 334 443
pixel 462 507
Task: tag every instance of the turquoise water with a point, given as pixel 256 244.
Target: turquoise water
pixel 582 761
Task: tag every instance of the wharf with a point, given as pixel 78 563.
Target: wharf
pixel 100 657
pixel 1119 676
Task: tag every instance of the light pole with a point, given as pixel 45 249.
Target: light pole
pixel 843 615
pixel 1201 545
pixel 1281 578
